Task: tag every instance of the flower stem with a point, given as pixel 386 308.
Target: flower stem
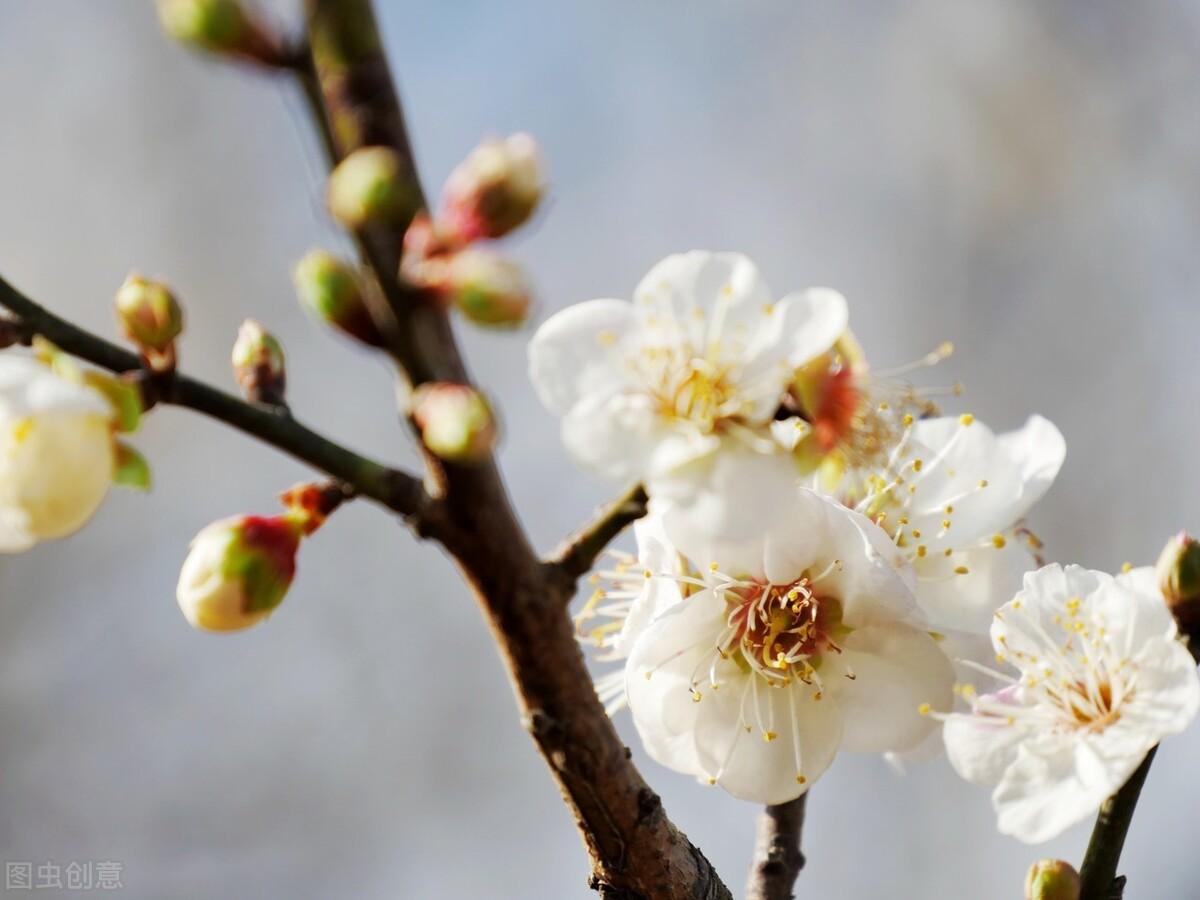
pixel 1098 876
pixel 579 551
pixel 777 856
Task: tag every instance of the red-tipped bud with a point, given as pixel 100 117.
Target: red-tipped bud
pixel 494 190
pixel 1052 879
pixel 332 291
pixel 369 187
pixel 237 571
pixel 455 421
pixel 258 364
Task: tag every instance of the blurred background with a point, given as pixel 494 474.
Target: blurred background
pixel 1017 176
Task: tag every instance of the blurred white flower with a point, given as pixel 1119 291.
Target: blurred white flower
pixel 679 388
pixel 754 677
pixel 953 497
pixel 57 452
pixel 1102 679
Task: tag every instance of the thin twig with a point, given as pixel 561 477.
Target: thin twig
pixel 1098 876
pixel 777 855
pixel 398 491
pixel 578 552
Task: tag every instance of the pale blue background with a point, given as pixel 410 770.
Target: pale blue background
pixel 1018 176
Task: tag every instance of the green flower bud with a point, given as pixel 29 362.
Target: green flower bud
pixel 258 364
pixel 1178 572
pixel 220 26
pixel 149 314
pixel 1052 879
pixel 369 187
pixel 494 190
pixel 485 287
pixel 455 421
pixel 332 291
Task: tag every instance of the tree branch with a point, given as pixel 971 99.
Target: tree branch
pixel 635 850
pixel 1098 875
pixel 578 552
pixel 777 855
pixel 390 487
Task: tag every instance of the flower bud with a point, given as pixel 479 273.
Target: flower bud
pixel 455 421
pixel 487 288
pixel 258 364
pixel 237 571
pixel 369 187
pixel 148 313
pixel 219 26
pixel 1052 879
pixel 494 190
pixel 331 290
pixel 1178 572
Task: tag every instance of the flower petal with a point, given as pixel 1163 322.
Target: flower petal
pixel 577 351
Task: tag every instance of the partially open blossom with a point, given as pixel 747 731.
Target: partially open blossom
pixel 238 570
pixel 757 675
pixel 331 290
pixel 258 364
pixel 149 314
pixel 1101 677
pixel 679 389
pixel 484 286
pixel 1052 879
pixel 57 452
pixel 953 496
pixel 368 187
pixel 494 190
pixel 455 421
pixel 218 26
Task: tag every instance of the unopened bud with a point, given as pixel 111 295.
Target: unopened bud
pixel 369 187
pixel 219 26
pixel 455 421
pixel 1178 572
pixel 149 315
pixel 1052 879
pixel 332 291
pixel 238 570
pixel 258 364
pixel 487 288
pixel 494 190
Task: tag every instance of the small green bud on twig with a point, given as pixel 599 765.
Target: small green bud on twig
pixel 485 287
pixel 1178 572
pixel 150 317
pixel 258 364
pixel 369 187
pixel 333 292
pixel 220 26
pixel 455 421
pixel 1052 879
pixel 494 190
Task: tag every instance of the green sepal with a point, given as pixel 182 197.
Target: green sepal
pixel 131 468
pixel 125 398
pixel 60 363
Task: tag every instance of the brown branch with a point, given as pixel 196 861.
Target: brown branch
pixel 636 852
pixel 1098 875
pixel 578 552
pixel 777 855
pixel 392 488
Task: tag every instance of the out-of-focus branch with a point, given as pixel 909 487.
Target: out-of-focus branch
pixel 396 490
pixel 636 852
pixel 777 855
pixel 578 552
pixel 1098 875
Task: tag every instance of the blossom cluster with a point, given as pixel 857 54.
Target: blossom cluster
pixel 825 557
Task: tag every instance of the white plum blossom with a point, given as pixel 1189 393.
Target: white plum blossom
pixel 1101 678
pixel 954 496
pixel 57 452
pixel 754 677
pixel 679 389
